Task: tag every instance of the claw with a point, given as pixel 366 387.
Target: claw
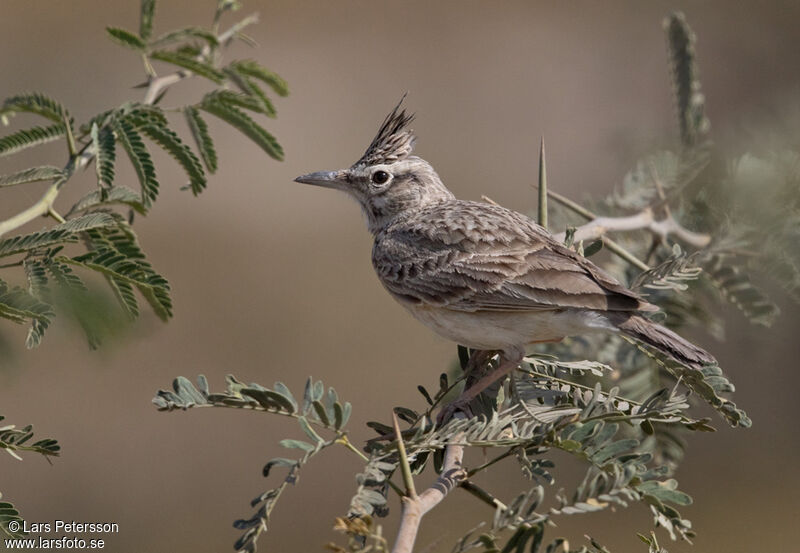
pixel 447 412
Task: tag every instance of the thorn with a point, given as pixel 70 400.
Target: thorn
pixel 542 186
pixel 408 479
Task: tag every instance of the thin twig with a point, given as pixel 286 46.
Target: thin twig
pixel 483 495
pixel 616 248
pixel 573 206
pixel 55 215
pixel 504 455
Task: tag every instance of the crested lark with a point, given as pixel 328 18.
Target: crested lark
pixel 482 275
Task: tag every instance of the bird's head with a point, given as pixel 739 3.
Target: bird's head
pixel 387 181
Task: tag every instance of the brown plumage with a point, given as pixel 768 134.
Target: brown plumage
pixel 480 274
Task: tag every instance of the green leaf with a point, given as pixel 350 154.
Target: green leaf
pixel 35 103
pixel 116 254
pixel 140 158
pixel 671 274
pixel 307 393
pixel 297 444
pixel 737 287
pixel 101 120
pixel 318 390
pixel 328 401
pixel 103 144
pixel 269 399
pixel 188 392
pixel 570 445
pixel 665 491
pixel 116 195
pixel 16 439
pixel 34 174
pixel 708 383
pixel 123 291
pixel 126 38
pixel 146 21
pixel 256 100
pixel 237 99
pixel 37 287
pixel 584 430
pixel 614 449
pixel 14 142
pixel 425 394
pixel 347 409
pixel 190 63
pixel 58 234
pixel 9 513
pixel 186 33
pixel 18 305
pixel 142 115
pixel 283 390
pixel 174 146
pixel 338 416
pixel 72 298
pixel 320 410
pixel 253 69
pixel 205 145
pixel 593 248
pixel 241 121
pixel 689 99
pixel 306 427
pixel 62 275
pixel 278 462
pixel 605 434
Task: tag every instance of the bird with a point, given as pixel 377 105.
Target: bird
pixel 479 274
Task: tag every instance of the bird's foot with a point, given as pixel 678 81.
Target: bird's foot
pixel 447 412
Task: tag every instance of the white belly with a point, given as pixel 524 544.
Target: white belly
pixel 508 329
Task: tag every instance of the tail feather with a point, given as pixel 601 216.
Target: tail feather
pixel 665 341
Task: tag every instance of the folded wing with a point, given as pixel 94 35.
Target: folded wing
pixel 480 257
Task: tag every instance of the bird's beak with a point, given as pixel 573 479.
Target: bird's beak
pixel 328 179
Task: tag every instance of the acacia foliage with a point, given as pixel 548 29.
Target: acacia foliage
pixel 54 270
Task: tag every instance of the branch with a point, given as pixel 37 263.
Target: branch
pixel 415 508
pixel 598 226
pixel 645 219
pixel 42 207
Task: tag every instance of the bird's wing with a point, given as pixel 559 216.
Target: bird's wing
pixel 480 257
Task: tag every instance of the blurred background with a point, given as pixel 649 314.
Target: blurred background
pixel 272 280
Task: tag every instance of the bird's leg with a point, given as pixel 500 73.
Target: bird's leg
pixel 478 365
pixel 509 360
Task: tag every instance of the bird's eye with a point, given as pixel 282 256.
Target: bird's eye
pixel 380 177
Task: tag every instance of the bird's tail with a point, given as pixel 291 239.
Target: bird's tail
pixel 665 341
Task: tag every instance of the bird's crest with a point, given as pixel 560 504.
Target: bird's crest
pixel 394 140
